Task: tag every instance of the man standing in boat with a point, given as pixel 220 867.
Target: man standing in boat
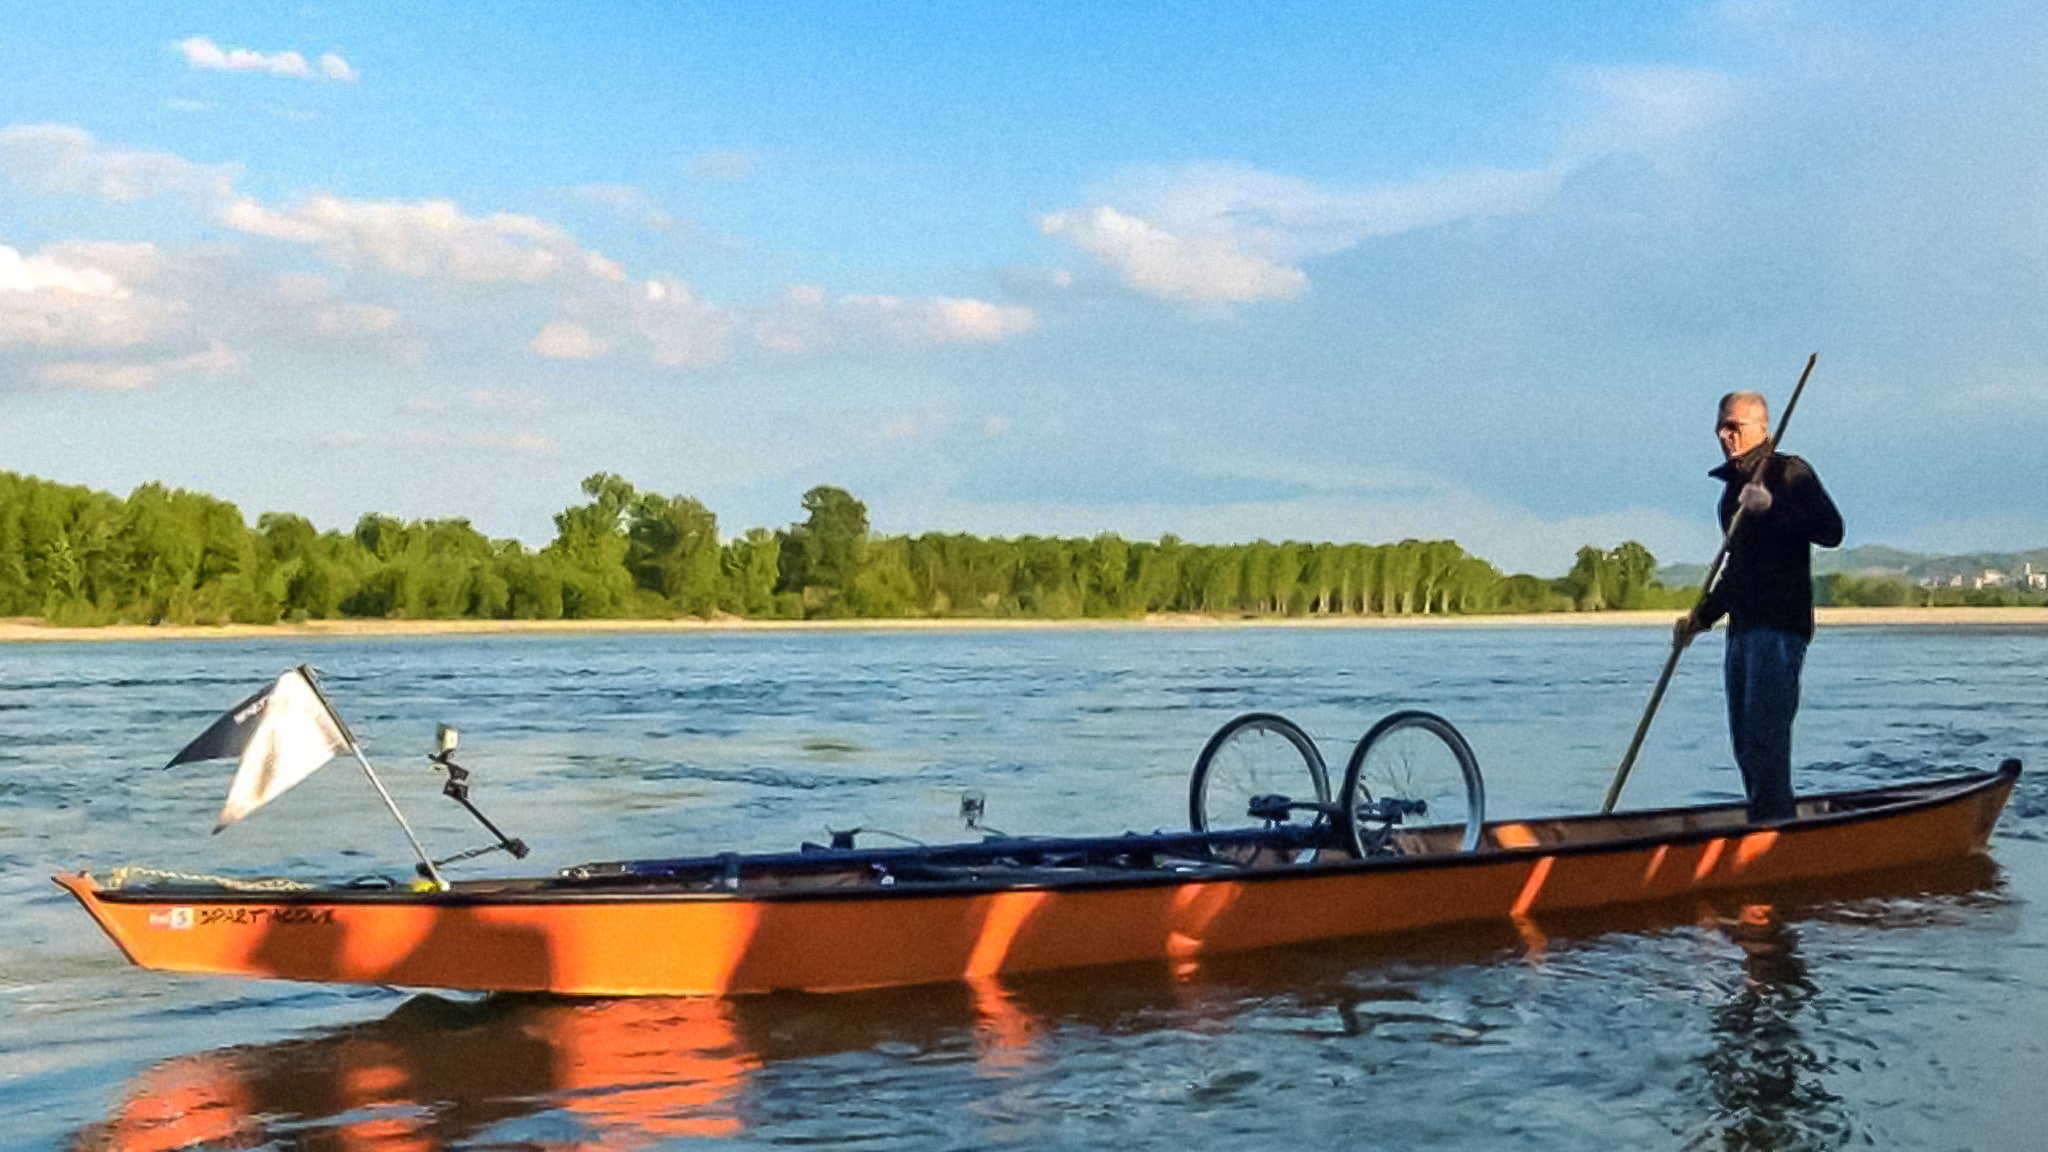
pixel 1766 591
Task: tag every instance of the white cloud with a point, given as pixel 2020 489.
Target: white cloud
pixel 632 204
pixel 106 376
pixel 132 263
pixel 1228 234
pixel 603 267
pixel 979 322
pixel 522 443
pixel 249 216
pixel 420 275
pixel 44 274
pixel 561 341
pixel 808 319
pixel 1224 234
pixel 797 324
pixel 1200 269
pixel 299 315
pixel 75 296
pixel 939 319
pixel 57 158
pixel 355 318
pixel 335 68
pixel 202 53
pixel 422 239
pixel 218 359
pixel 680 330
pixel 1637 108
pixel 91 376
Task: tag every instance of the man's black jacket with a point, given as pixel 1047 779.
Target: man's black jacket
pixel 1767 581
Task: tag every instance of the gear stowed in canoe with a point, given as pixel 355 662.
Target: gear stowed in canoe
pixel 1273 857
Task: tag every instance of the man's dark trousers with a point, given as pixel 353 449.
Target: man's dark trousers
pixel 1763 695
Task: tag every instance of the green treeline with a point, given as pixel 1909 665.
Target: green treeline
pixel 73 556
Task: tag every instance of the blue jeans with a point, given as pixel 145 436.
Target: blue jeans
pixel 1762 673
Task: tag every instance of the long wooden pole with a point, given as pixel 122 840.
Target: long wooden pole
pixel 1635 744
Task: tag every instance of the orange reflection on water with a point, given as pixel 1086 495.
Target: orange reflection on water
pixel 435 1074
pixel 1535 940
pixel 1005 1034
pixel 649 1068
pixel 179 1104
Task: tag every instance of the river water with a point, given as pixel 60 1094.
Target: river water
pixel 1899 1012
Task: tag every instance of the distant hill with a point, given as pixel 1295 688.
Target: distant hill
pixel 1879 560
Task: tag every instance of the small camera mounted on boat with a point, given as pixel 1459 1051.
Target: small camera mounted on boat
pixel 446 740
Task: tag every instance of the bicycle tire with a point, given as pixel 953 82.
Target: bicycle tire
pixel 1241 761
pixel 1411 756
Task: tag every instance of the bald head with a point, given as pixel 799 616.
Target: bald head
pixel 1747 400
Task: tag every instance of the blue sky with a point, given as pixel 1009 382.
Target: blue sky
pixel 1361 271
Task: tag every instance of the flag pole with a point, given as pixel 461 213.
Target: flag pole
pixel 426 862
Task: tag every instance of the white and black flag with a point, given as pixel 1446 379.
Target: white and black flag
pixel 281 735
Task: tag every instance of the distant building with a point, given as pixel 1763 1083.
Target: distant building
pixel 2028 577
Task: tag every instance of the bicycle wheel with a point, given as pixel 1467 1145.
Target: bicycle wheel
pixel 1257 755
pixel 1412 772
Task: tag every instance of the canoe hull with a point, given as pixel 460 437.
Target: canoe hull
pixel 654 942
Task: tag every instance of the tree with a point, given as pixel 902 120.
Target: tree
pixel 1401 577
pixel 589 550
pixel 533 585
pixel 1221 571
pixel 884 586
pixel 1322 578
pixel 1623 577
pixel 1155 578
pixel 1049 578
pixel 749 567
pixel 1634 573
pixel 824 554
pixel 673 551
pixel 1588 581
pixel 1109 568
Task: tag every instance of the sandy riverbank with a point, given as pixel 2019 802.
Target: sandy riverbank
pixel 29 631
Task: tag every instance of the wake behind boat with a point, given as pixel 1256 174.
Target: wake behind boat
pixel 1274 858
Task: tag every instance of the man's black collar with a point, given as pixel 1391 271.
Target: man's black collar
pixel 1743 465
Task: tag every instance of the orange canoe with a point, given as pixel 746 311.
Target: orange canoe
pixel 837 919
